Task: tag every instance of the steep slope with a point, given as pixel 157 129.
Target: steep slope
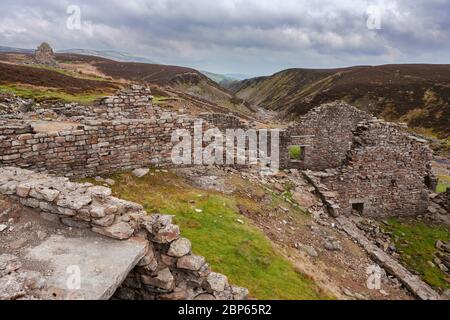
pixel 187 80
pixel 46 83
pixel 187 84
pixel 416 94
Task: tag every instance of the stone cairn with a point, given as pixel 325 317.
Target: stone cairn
pixel 44 55
pixel 169 269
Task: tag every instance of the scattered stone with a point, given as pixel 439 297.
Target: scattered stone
pixel 333 245
pixel 141 172
pixel 309 250
pixel 110 182
pixel 3 227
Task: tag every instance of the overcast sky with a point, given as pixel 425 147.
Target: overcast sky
pixel 240 36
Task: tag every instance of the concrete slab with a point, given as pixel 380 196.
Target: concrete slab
pixel 88 268
pixel 44 248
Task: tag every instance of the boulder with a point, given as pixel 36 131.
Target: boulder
pixel 120 230
pixel 217 282
pixel 179 248
pixel 140 172
pixel 191 262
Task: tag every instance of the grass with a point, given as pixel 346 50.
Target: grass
pixel 160 100
pixel 49 94
pixel 417 244
pixel 295 153
pixel 241 251
pixel 443 184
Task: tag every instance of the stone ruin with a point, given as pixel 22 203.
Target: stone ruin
pixel 44 55
pixel 361 165
pixel 163 266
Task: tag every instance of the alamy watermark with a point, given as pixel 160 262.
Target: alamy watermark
pixel 373 17
pixel 73 281
pixel 374 273
pixel 233 147
pixel 73 21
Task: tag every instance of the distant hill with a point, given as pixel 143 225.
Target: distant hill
pixel 17 50
pixel 110 54
pixel 418 94
pixel 238 76
pixel 221 79
pixel 77 73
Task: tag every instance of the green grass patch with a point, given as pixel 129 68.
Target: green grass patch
pixel 48 94
pixel 417 243
pixel 161 100
pixel 443 184
pixel 241 251
pixel 295 153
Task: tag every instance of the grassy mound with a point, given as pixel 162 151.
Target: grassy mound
pixel 231 244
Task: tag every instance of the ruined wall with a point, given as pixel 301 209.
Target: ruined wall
pixel 384 174
pixel 326 133
pixel 96 147
pixel 224 121
pixel 169 270
pixel 119 133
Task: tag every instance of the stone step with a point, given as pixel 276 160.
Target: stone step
pixel 101 263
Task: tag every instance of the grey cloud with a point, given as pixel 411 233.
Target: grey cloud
pixel 253 36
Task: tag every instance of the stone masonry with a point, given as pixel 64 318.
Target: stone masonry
pixel 169 269
pixel 384 174
pixel 122 132
pixel 325 133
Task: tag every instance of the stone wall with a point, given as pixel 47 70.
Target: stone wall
pixel 384 174
pixel 169 270
pixel 96 147
pixel 224 121
pixel 121 132
pixel 326 134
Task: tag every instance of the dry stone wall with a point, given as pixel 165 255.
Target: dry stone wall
pixel 169 269
pixel 121 133
pixel 384 174
pixel 326 133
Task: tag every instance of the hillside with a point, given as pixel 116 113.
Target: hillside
pixel 416 94
pixel 186 80
pixel 90 77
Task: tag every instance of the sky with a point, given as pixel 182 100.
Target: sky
pixel 252 37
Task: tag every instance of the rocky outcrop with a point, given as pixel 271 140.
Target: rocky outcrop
pixel 168 270
pixel 44 55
